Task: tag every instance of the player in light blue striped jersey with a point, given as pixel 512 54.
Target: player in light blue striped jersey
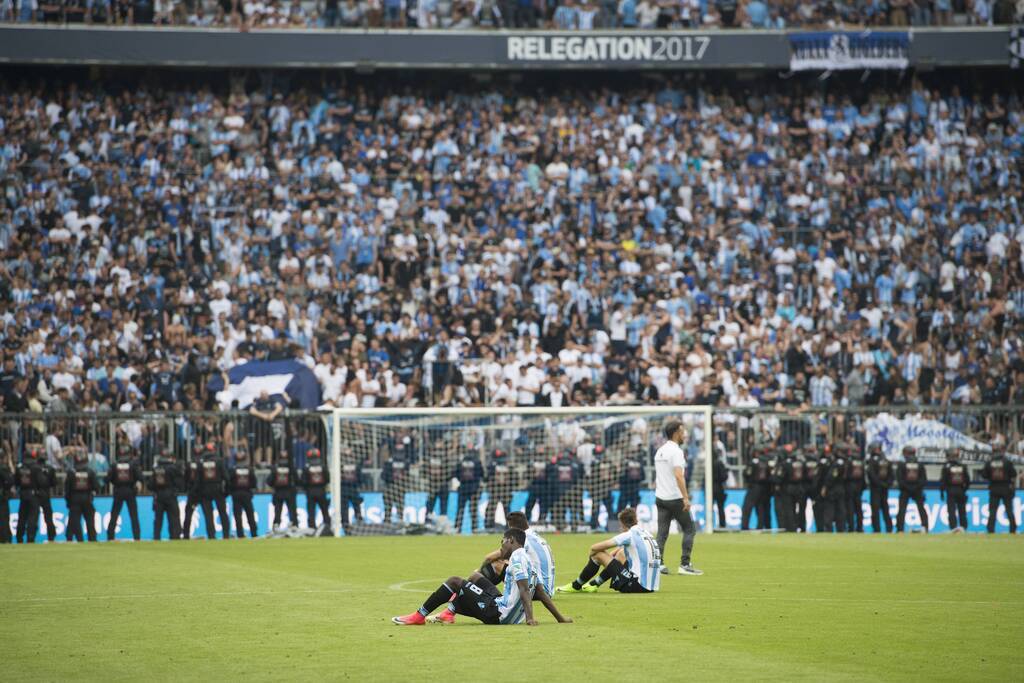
pixel 478 598
pixel 537 548
pixel 636 547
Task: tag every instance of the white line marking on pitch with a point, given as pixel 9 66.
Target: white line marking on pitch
pixel 402 586
pixel 142 596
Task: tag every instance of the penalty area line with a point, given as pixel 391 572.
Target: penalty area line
pixel 144 596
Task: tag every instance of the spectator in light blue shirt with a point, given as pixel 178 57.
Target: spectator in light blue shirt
pixel 566 16
pixel 757 14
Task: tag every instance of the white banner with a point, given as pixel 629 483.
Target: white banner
pixel 931 438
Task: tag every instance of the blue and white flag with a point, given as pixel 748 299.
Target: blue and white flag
pixel 930 438
pixel 249 380
pixel 837 51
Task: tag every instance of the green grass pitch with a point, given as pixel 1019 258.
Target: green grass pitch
pixel 770 607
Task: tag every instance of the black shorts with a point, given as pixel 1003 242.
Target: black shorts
pixel 479 599
pixel 624 581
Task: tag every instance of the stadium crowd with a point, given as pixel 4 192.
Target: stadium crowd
pixel 565 15
pixel 722 246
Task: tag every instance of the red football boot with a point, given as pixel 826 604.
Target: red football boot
pixel 414 619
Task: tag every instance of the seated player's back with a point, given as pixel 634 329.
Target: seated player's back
pixel 540 556
pixel 519 568
pixel 643 558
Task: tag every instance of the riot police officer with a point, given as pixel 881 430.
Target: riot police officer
pixel 600 483
pixel 395 474
pixel 719 477
pixel 1001 476
pixel 470 473
pixel 80 485
pixel 125 476
pixel 6 492
pixel 42 477
pixel 953 484
pixel 631 478
pixel 567 474
pixel 539 490
pixel 500 486
pixel 28 513
pixel 783 507
pixel 791 491
pixel 192 489
pixel 438 475
pixel 832 484
pixel 855 486
pixel 211 489
pixel 165 482
pixel 241 482
pixel 881 475
pixel 812 493
pixel 283 481
pixel 351 476
pixel 315 478
pixel 911 478
pixel 758 477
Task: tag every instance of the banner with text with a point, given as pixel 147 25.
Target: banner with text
pixel 837 51
pixel 931 438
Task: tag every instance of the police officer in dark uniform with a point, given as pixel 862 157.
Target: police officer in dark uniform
pixel 28 513
pixel 470 473
pixel 911 478
pixel 315 477
pixel 192 488
pixel 241 482
pixel 790 490
pixel 758 476
pixel 719 477
pixel 832 484
pixel 796 476
pixel 855 486
pixel 44 478
pixel 784 517
pixel 79 486
pixel 437 469
pixel 351 477
pixel 165 482
pixel 953 484
pixel 500 486
pixel 631 478
pixel 124 476
pixel 213 478
pixel 567 473
pixel 1001 476
pixel 812 493
pixel 539 490
pixel 283 481
pixel 600 483
pixel 881 475
pixel 395 474
pixel 6 493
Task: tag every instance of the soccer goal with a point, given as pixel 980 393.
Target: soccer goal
pixel 461 470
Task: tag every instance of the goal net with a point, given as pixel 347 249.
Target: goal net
pixel 461 470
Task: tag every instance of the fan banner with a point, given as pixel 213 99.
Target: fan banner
pixel 839 51
pixel 930 438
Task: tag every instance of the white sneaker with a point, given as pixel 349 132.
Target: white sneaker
pixel 664 570
pixel 690 570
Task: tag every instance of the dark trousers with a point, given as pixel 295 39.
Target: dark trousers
pixel 833 512
pixel 217 500
pixel 996 495
pixel 800 501
pixel 281 498
pixel 166 505
pixel 438 497
pixel 880 509
pixel 394 503
pixel 785 507
pixel 956 508
pixel 43 505
pixel 498 493
pixel 669 510
pixel 718 502
pixel 918 498
pixel 241 502
pixel 314 500
pixel 28 519
pixel 563 508
pixel 350 496
pixel 855 508
pixel 756 500
pixel 597 498
pixel 5 521
pixel 629 497
pixel 467 494
pixel 80 506
pixel 124 497
pixel 191 503
pixel 538 495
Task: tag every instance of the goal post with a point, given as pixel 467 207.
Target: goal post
pixel 567 468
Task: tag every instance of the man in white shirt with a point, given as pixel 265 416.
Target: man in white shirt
pixel 671 497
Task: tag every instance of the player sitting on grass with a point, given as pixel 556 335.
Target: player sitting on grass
pixel 493 568
pixel 640 574
pixel 478 598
